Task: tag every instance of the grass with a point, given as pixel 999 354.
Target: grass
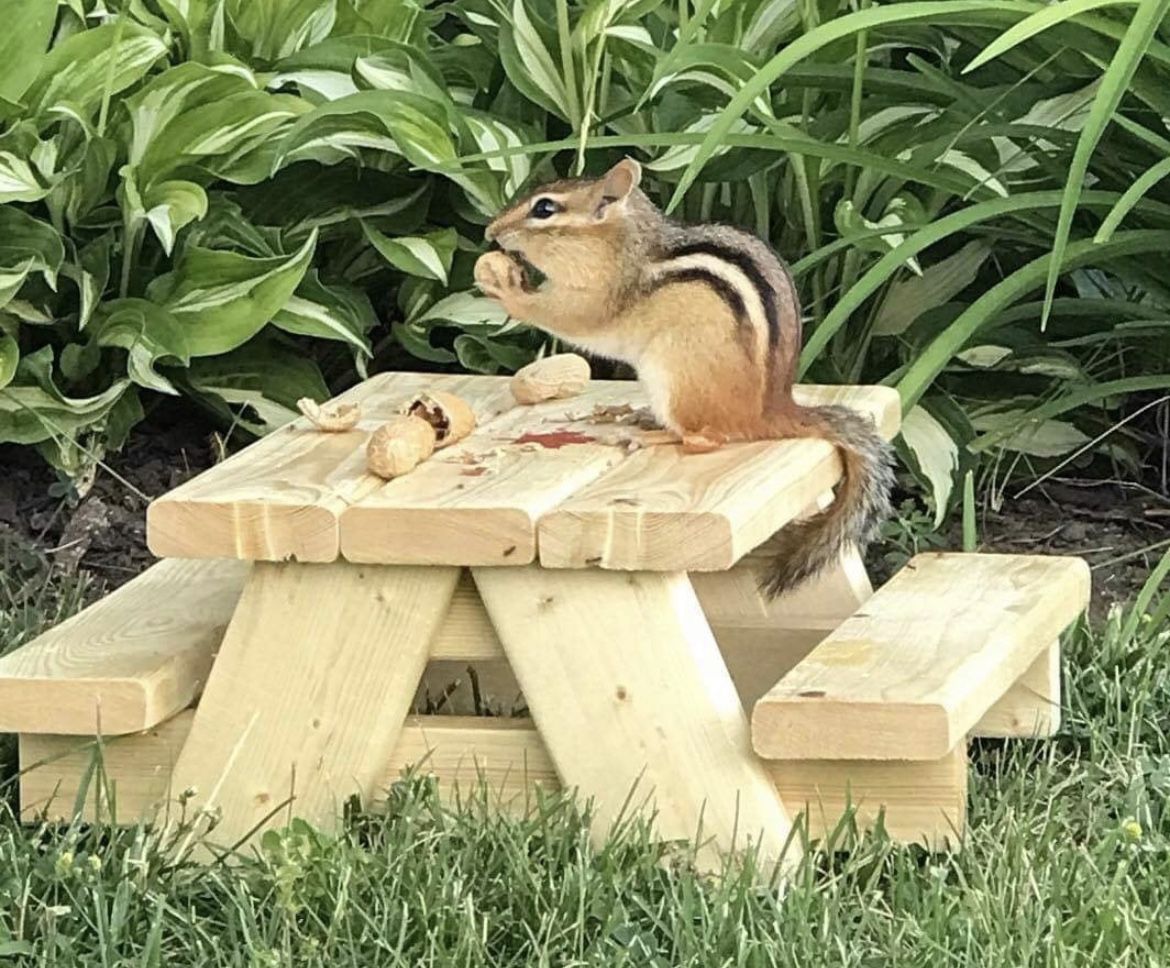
pixel 1065 864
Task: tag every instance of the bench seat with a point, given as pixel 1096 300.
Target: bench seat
pixel 913 671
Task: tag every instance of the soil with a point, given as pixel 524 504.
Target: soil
pixel 1121 529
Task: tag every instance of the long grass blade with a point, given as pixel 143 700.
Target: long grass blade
pixel 1138 37
pixel 1132 195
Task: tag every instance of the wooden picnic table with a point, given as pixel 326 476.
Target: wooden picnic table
pixel 581 545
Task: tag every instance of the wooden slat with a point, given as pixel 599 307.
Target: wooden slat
pixel 310 689
pixel 128 661
pixel 448 511
pixel 910 674
pixel 629 692
pixel 282 496
pixel 923 802
pixel 662 510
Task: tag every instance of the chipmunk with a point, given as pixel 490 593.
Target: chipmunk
pixel 708 317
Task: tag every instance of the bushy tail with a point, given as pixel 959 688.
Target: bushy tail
pixel 861 504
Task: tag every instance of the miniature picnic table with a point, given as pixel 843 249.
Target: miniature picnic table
pixel 580 545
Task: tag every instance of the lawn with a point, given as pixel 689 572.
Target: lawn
pixel 1065 862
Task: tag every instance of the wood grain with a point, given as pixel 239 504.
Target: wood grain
pixel 662 510
pixel 1030 709
pixel 923 802
pixel 310 689
pixel 478 502
pixel 627 688
pixel 909 675
pixel 128 661
pixel 282 497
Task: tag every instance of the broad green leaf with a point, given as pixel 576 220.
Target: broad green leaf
pixel 466 310
pixel 265 378
pixel 908 298
pixel 428 256
pixel 9 357
pixel 1114 84
pixel 33 409
pixel 529 64
pixel 984 357
pixel 490 135
pixel 223 299
pixel 333 312
pixel 393 121
pixel 28 245
pixel 936 454
pixel 400 68
pixel 93 64
pixel 149 333
pixel 1037 23
pixel 482 354
pixel 276 29
pixel 1038 438
pixel 18 181
pixel 171 205
pixel 28 25
pixel 91 272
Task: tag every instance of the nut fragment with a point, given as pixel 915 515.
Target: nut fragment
pixel 340 416
pixel 553 378
pixel 399 445
pixel 451 417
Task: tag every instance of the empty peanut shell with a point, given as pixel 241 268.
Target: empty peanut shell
pixel 331 418
pixel 399 445
pixel 553 378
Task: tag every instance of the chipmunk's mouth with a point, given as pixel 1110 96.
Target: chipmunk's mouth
pixel 533 277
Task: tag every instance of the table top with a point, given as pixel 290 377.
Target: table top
pixel 563 483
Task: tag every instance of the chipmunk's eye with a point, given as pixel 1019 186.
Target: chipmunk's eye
pixel 544 208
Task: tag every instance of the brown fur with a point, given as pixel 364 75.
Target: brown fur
pixel 623 281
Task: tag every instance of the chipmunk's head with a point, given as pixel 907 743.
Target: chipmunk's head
pixel 554 220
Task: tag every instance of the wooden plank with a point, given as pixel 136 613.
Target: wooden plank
pixel 478 502
pixel 282 497
pixel 627 688
pixel 1030 709
pixel 923 802
pixel 308 694
pixel 128 661
pixel 662 510
pixel 930 653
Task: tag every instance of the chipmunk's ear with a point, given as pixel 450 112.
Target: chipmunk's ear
pixel 616 186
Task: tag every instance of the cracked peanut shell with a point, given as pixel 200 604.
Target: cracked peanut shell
pixel 451 416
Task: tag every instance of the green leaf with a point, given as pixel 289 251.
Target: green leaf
pixel 1114 83
pixel 1038 438
pixel 908 298
pixel 1132 195
pixel 426 256
pixel 530 65
pixel 333 312
pixel 935 453
pixel 27 245
pixel 149 333
pixel 1037 23
pixel 171 205
pixel 466 310
pixel 279 28
pixel 265 378
pixel 18 181
pixel 28 25
pixel 9 357
pixel 32 409
pixel 94 64
pixel 931 361
pixel 223 299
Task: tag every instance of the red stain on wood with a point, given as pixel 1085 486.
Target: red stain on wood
pixel 555 439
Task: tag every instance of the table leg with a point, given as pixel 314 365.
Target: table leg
pixel 628 690
pixel 309 692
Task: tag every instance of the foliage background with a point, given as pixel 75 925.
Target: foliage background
pixel 246 201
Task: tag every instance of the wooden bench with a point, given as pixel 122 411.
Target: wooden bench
pixel 926 659
pixel 130 665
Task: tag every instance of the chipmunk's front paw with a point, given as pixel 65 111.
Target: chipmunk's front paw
pixel 498 276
